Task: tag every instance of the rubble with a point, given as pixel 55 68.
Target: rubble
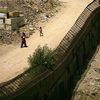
pixel 7 37
pixel 97 70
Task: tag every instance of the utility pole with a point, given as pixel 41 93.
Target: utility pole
pixel 7 8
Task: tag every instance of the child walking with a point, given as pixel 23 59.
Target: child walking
pixel 41 33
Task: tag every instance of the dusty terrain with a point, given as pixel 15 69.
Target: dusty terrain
pixel 13 59
pixel 88 88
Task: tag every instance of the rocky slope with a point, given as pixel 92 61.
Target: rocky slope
pixel 88 87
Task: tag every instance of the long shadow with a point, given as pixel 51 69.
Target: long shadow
pixel 78 77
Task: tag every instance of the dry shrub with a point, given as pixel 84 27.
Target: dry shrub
pixel 43 56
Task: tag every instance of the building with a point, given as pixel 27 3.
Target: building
pixel 11 22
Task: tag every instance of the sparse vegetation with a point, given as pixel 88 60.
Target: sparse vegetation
pixel 43 56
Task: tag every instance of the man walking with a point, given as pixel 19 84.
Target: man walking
pixel 23 40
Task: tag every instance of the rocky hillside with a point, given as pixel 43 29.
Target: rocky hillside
pixel 34 11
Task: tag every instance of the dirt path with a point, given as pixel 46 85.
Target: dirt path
pixel 15 62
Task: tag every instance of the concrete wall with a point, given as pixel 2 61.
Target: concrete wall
pixel 72 56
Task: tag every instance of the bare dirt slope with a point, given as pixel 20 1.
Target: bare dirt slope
pixel 89 87
pixel 14 62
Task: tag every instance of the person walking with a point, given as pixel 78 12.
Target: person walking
pixel 23 40
pixel 41 33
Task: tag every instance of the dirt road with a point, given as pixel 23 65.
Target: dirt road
pixel 14 62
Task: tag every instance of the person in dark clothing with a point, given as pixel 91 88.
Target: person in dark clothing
pixel 41 33
pixel 23 40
